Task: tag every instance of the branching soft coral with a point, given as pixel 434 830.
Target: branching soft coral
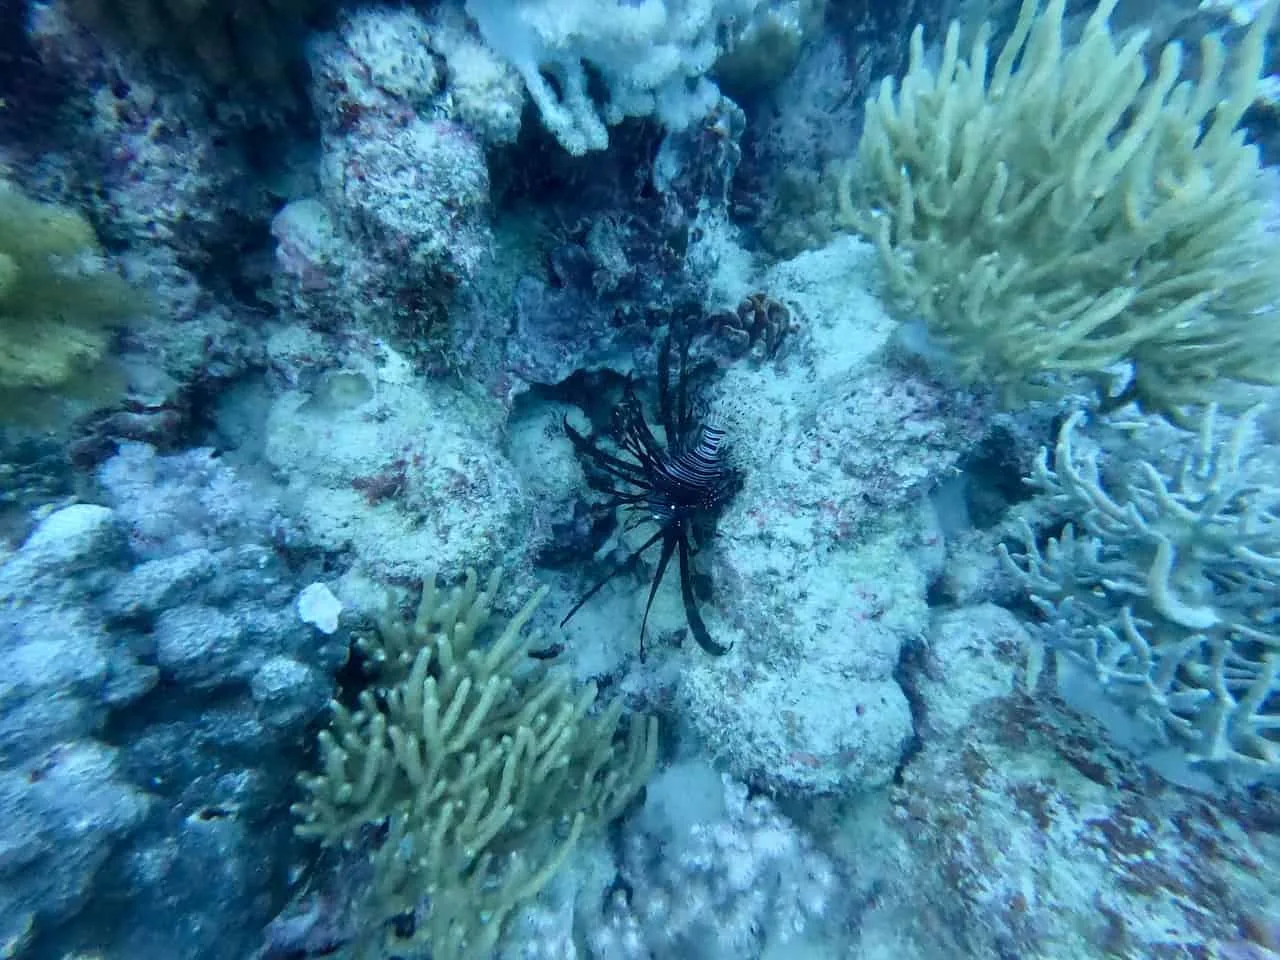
pixel 485 771
pixel 1063 212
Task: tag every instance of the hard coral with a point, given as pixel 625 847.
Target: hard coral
pixel 650 58
pixel 1166 602
pixel 758 319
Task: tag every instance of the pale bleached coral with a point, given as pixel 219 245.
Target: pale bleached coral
pixel 1166 600
pixel 652 57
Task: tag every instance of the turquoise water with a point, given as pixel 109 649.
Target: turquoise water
pixel 639 480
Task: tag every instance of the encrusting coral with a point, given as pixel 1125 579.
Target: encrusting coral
pixel 485 768
pixel 1063 212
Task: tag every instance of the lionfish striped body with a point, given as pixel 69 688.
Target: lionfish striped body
pixel 690 480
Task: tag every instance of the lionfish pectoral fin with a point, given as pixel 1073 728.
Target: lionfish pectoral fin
pixel 675 412
pixel 616 569
pixel 610 464
pixel 696 625
pixel 665 410
pixel 684 406
pixel 668 548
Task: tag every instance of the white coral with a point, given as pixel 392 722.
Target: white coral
pixel 652 57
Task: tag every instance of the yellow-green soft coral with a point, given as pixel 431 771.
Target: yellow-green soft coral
pixel 485 769
pixel 1068 212
pixel 56 298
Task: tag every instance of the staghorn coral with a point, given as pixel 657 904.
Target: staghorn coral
pixel 1166 603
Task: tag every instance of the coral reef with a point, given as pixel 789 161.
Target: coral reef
pixel 636 250
pixel 57 296
pixel 387 251
pixel 482 92
pixel 400 216
pixel 167 174
pixel 759 322
pixel 745 882
pixel 244 44
pixel 159 679
pixel 392 470
pixel 652 58
pixel 171 190
pixel 803 130
pixel 822 562
pixel 1014 832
